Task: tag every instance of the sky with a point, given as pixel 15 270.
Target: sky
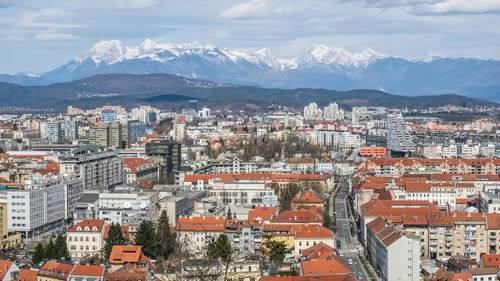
pixel 40 35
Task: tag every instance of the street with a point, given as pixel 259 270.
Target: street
pixel 349 246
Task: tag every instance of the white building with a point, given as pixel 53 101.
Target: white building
pixel 245 194
pixel 395 254
pixel 86 238
pixel 312 111
pixel 127 208
pixel 37 208
pixel 194 233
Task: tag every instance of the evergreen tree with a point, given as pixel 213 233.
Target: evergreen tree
pixel 61 248
pixel 147 238
pixel 220 248
pixel 229 215
pixel 115 237
pixel 50 250
pixel 277 251
pixel 166 237
pixel 39 254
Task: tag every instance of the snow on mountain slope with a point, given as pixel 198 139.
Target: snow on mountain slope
pixel 114 51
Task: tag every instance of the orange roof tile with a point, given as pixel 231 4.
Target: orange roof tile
pixel 265 213
pixel 300 216
pixel 308 196
pixel 324 267
pixel 90 223
pixel 200 224
pixel 4 268
pixel 121 254
pixel 88 270
pixel 55 270
pixel 491 260
pixel 27 274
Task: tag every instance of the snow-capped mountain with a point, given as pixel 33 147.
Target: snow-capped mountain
pixel 319 66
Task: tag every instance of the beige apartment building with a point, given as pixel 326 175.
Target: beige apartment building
pixel 470 235
pixel 86 238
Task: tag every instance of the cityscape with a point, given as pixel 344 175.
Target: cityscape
pixel 265 153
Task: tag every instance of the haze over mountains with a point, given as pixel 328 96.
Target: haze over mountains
pixel 316 67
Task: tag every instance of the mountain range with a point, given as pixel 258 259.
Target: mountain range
pixel 319 66
pixel 174 92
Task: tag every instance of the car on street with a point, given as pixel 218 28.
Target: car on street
pixel 349 261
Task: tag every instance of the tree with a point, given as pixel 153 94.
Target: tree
pixel 39 254
pixel 115 237
pixel 50 250
pixel 277 251
pixel 166 237
pixel 61 248
pixel 220 248
pixel 229 215
pixel 147 238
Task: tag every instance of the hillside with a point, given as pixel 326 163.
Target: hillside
pixel 173 92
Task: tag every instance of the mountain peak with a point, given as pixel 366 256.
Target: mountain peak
pixel 110 51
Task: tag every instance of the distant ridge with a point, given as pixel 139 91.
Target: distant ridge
pixel 171 91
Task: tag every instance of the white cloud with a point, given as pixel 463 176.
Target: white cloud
pixel 253 9
pixel 460 6
pixel 131 5
pixel 439 6
pixel 54 36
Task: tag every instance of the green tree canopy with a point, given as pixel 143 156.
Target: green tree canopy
pixel 50 250
pixel 220 248
pixel 277 251
pixel 115 237
pixel 39 254
pixel 166 237
pixel 147 238
pixel 61 248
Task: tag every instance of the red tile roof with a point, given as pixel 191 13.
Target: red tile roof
pixel 491 260
pixel 90 223
pixel 27 275
pixel 121 254
pixel 136 164
pixel 4 267
pixel 378 207
pixel 313 231
pixel 88 270
pixel 264 213
pixel 55 270
pixel 300 216
pixel 200 224
pixel 320 251
pixel 324 267
pixel 308 196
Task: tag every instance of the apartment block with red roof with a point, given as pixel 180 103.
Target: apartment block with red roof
pixel 470 235
pixel 194 233
pixel 140 169
pixel 86 238
pixel 400 166
pixel 54 271
pixel 310 235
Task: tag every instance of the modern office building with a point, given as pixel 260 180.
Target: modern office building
pixel 399 141
pixel 54 132
pixel 167 154
pixel 137 129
